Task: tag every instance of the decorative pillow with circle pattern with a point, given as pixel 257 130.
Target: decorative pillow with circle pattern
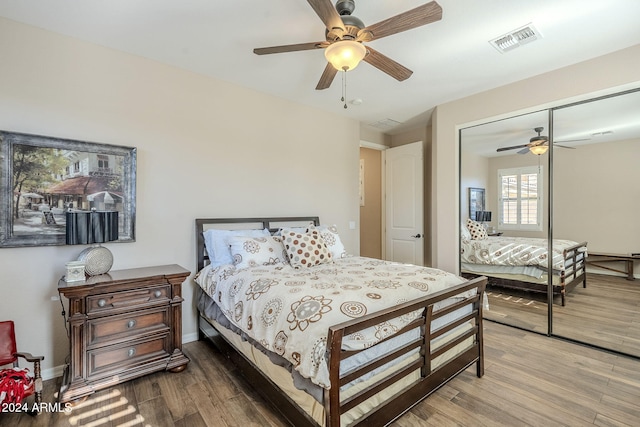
pixel 305 249
pixel 257 251
pixel 477 230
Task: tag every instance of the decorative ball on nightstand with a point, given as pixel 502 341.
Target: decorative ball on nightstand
pixel 97 260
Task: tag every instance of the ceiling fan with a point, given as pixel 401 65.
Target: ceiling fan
pixel 537 145
pixel 345 35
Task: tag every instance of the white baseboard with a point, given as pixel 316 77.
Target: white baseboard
pixel 54 372
pixel 57 371
pixel 596 270
pixel 189 337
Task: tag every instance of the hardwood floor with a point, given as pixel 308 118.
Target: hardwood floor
pixel 606 313
pixel 530 380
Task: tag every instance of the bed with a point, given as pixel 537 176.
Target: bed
pixel 522 263
pixel 361 357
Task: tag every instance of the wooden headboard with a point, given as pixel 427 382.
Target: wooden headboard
pixel 273 224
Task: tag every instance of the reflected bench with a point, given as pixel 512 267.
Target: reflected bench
pixel 596 259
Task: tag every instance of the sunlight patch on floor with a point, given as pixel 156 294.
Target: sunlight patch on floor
pixel 514 299
pixel 114 411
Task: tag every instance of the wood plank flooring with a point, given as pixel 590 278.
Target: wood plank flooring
pixel 530 380
pixel 606 313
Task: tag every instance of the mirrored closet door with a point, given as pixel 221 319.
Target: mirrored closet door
pixel 504 201
pixel 596 198
pixel 529 215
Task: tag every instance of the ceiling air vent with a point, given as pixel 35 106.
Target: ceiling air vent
pixel 385 124
pixel 516 38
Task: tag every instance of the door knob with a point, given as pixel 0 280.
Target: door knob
pixel 417 236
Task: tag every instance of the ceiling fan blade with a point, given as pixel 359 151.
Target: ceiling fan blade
pixel 327 77
pixel 421 15
pixel 564 146
pixel 572 140
pixel 289 48
pixel 512 148
pixel 524 150
pixel 327 13
pixel 387 65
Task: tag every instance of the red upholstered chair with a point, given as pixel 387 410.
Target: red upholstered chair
pixel 16 383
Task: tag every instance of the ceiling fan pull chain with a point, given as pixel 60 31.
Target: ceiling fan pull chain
pixel 344 88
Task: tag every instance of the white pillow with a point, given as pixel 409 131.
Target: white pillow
pixel 332 239
pixel 464 232
pixel 218 244
pixel 257 251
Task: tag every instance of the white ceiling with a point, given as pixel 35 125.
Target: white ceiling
pixel 451 58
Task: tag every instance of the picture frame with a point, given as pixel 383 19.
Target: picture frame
pixel 476 201
pixel 43 177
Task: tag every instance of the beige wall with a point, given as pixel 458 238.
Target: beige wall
pixel 412 135
pixel 206 148
pixel 601 205
pixel 373 136
pixel 371 212
pixel 605 74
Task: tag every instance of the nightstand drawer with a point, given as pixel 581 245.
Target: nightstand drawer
pixel 114 359
pixel 102 304
pixel 111 329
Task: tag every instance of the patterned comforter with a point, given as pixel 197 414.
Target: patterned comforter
pixel 513 251
pixel 288 311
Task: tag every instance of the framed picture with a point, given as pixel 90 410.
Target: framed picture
pixel 476 201
pixel 44 177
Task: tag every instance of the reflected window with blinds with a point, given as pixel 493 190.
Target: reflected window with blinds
pixel 520 201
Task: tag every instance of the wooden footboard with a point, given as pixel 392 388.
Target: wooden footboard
pixel 575 262
pixel 431 378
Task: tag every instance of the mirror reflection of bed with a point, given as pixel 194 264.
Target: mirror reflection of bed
pixel 522 263
pixel 593 202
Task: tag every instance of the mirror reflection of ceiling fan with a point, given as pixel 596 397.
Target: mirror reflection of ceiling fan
pixel 345 36
pixel 538 144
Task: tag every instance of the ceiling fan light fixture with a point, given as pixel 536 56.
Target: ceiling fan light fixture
pixel 538 149
pixel 345 54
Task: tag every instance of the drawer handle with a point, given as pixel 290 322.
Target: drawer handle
pixel 102 302
pixel 131 323
pixel 157 294
pixel 131 352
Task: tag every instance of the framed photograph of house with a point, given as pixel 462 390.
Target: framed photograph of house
pixel 476 201
pixel 43 177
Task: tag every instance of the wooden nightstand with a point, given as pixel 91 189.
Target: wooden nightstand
pixel 122 325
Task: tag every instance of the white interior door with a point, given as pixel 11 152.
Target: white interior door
pixel 404 190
